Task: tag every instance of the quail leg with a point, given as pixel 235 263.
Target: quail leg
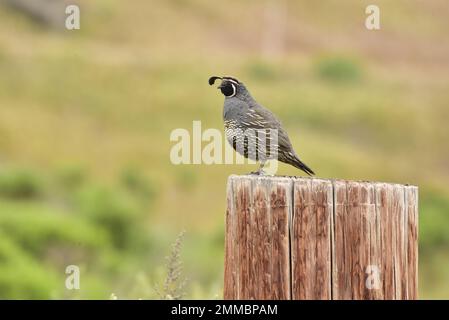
pixel 260 171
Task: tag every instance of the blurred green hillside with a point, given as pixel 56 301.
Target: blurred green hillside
pixel 85 120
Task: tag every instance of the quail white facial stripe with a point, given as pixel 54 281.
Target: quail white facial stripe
pixel 234 90
pixel 231 79
pixel 235 82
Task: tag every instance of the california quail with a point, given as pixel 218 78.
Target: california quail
pixel 252 130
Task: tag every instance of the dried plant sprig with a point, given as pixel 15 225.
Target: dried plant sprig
pixel 174 283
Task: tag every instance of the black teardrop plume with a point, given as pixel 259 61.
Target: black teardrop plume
pixel 212 79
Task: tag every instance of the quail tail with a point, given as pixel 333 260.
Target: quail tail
pixel 294 161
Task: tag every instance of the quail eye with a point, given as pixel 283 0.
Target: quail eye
pixel 229 90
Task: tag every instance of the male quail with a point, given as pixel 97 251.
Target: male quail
pixel 252 130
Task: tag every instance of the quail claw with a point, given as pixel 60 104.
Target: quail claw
pixel 259 172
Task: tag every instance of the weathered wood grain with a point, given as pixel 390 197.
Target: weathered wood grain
pixel 257 263
pixel 411 197
pixel 357 254
pixel 311 239
pixel 230 272
pixel 303 238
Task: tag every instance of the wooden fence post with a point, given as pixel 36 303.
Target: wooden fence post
pixel 307 238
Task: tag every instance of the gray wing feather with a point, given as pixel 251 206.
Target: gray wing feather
pixel 264 118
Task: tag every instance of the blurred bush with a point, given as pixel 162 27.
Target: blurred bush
pixel 69 222
pixel 434 219
pixel 135 181
pixel 262 70
pixel 21 276
pixel 71 176
pixel 338 69
pixel 20 184
pixel 38 228
pixel 113 211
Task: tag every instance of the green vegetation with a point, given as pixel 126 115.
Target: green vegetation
pixel 339 69
pixel 85 119
pixel 19 184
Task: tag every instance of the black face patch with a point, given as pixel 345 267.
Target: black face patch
pixel 228 89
